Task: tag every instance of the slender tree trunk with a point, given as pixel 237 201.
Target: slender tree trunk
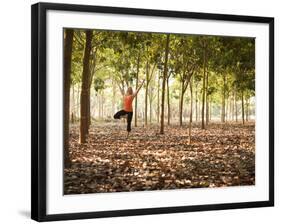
pixel 181 102
pixel 91 75
pixel 150 106
pixel 136 97
pixel 243 111
pixel 113 97
pixel 236 107
pixel 158 97
pixel 210 109
pixel 88 110
pixel 92 106
pixel 168 100
pixel 231 106
pixel 196 102
pixel 228 104
pixel 146 93
pixel 191 83
pixel 204 90
pixel 99 106
pixel 102 105
pixel 190 115
pixel 226 109
pixel 164 82
pixel 78 102
pixel 68 43
pixel 232 110
pixel 223 99
pixel 247 109
pixel 146 105
pixel 207 99
pixel 73 105
pixel 84 99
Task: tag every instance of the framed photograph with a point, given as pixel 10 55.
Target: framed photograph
pixel 140 111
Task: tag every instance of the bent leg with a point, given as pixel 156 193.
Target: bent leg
pixel 119 114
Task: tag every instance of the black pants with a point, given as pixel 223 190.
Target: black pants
pixel 129 117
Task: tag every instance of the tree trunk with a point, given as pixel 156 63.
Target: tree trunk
pixel 88 110
pixel 113 97
pixel 99 105
pixel 93 103
pixel 196 103
pixel 247 109
pixel 146 93
pixel 210 109
pixel 84 99
pixel 226 109
pixel 150 106
pixel 67 73
pixel 191 96
pixel 168 101
pixel 223 100
pixel 204 90
pixel 73 105
pixel 91 75
pixel 207 99
pixel 145 106
pixel 136 97
pixel 236 107
pixel 158 98
pixel 181 103
pixel 231 106
pixel 164 83
pixel 190 115
pixel 78 101
pixel 102 105
pixel 243 112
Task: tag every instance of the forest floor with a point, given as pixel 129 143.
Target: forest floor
pixel 222 155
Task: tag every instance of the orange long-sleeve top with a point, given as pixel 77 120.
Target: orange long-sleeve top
pixel 128 103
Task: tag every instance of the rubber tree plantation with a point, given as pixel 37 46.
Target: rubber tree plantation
pixel 151 111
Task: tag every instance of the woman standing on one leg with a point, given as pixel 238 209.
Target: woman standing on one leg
pixel 128 106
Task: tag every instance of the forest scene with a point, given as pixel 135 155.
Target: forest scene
pixel 157 111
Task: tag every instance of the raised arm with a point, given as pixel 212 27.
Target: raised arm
pixel 136 93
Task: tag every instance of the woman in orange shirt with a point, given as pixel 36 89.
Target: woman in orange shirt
pixel 128 106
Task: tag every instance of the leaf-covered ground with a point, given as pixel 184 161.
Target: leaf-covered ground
pixel 222 155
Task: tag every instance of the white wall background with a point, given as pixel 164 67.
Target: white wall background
pixel 15 110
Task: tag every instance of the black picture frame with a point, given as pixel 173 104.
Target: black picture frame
pixel 39 107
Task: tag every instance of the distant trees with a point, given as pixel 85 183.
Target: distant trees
pixel 244 71
pixel 185 62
